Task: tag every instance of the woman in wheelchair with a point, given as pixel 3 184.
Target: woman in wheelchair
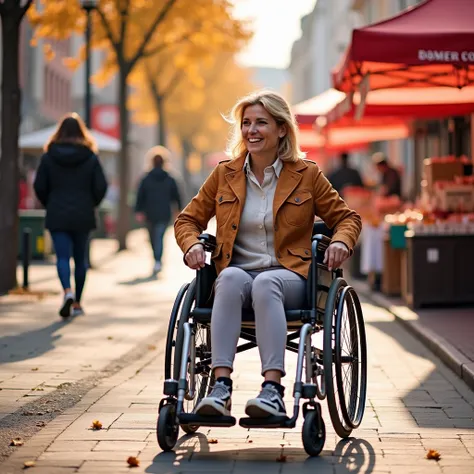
pixel 265 199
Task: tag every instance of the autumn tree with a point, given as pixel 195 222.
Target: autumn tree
pixel 129 31
pixel 195 110
pixel 11 13
pixel 161 74
pixel 200 122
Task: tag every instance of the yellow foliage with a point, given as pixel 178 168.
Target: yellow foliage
pixel 72 63
pixel 125 29
pixel 48 51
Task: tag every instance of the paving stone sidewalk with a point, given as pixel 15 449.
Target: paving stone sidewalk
pixel 448 332
pixel 124 305
pixel 415 403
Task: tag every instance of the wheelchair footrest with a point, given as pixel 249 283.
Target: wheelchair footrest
pixel 199 420
pixel 267 422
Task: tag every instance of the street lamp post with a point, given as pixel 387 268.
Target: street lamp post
pixel 88 6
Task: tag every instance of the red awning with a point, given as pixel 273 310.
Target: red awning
pixel 431 45
pixel 352 135
pixel 308 111
pixel 404 103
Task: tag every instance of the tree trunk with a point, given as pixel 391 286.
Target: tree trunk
pixel 160 107
pixel 9 172
pixel 123 221
pixel 187 150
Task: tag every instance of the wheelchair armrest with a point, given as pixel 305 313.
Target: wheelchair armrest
pixel 209 241
pixel 324 239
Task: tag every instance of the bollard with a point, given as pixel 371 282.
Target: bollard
pixel 26 252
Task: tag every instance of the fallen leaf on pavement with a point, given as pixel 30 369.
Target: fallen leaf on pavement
pixel 17 442
pixel 133 461
pixel 281 458
pixel 151 347
pixel 212 441
pixel 28 464
pixel 433 454
pixel 110 338
pixel 40 424
pixel 96 425
pixel 35 369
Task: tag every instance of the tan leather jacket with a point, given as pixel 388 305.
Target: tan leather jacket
pixel 302 193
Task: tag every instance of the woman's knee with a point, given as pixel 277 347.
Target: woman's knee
pixel 231 278
pixel 265 285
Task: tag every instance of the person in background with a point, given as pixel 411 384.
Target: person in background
pixel 345 175
pixel 391 183
pixel 23 191
pixel 156 194
pixel 70 184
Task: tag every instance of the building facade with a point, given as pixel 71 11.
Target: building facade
pixel 325 35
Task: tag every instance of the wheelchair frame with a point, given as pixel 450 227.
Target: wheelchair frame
pixel 346 415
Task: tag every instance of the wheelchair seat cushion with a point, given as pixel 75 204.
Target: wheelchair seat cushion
pixel 203 315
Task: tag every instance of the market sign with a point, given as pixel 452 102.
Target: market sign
pixel 445 56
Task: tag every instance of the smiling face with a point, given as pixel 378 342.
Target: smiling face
pixel 260 131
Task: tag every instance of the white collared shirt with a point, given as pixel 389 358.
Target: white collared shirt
pixel 254 245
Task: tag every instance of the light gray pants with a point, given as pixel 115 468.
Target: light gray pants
pixel 269 292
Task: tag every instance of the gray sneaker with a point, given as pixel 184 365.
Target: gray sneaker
pixel 217 403
pixel 269 402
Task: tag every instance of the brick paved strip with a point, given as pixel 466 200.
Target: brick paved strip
pixel 81 396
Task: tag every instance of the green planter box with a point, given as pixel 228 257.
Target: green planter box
pixel 40 242
pixel 397 236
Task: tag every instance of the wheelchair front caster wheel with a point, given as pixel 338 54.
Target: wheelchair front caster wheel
pixel 314 433
pixel 189 429
pixel 167 428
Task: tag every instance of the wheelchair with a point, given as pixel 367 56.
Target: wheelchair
pixel 336 372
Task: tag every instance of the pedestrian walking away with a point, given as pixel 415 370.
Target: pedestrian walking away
pixel 70 184
pixel 265 199
pixel 157 195
pixel 345 175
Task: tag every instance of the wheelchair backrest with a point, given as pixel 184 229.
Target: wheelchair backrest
pixel 320 227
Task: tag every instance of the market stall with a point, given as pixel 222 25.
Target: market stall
pixel 320 142
pixel 405 67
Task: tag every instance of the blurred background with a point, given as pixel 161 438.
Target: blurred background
pixel 168 72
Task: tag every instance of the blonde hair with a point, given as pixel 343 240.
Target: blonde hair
pixel 279 109
pixel 72 129
pixel 155 155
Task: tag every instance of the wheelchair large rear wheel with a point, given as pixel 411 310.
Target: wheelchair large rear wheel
pixel 198 370
pixel 351 358
pixel 344 356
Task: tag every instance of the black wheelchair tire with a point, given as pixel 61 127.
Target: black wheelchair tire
pixel 353 413
pixel 183 319
pixel 167 428
pixel 172 329
pixel 313 433
pixel 330 317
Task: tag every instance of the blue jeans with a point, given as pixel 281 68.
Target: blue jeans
pixel 67 244
pixel 157 231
